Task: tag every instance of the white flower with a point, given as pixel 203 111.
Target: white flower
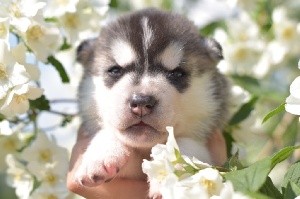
pixel 19 54
pixel 4 29
pixel 52 176
pixel 228 193
pixel 238 96
pixel 84 21
pixel 5 129
pixel 209 179
pixel 11 73
pixel 56 8
pixel 287 32
pixel 293 101
pixel 100 6
pixel 204 184
pixel 9 144
pixel 19 178
pixel 163 155
pixel 16 101
pixel 43 151
pixel 74 23
pixel 20 12
pixel 157 170
pixel 237 26
pixel 243 50
pixel 42 39
pixel 167 151
pixel 43 192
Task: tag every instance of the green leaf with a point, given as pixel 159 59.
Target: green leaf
pixel 234 163
pixel 292 191
pixel 250 179
pixel 243 112
pixel 209 29
pixel 292 175
pixel 282 155
pixel 1 117
pixel 66 120
pixel 65 45
pixel 247 82
pixel 290 135
pixel 256 195
pixel 269 189
pixel 229 141
pixel 60 69
pixel 113 4
pixel 41 103
pixel 274 112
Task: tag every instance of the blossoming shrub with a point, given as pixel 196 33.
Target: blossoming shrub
pixel 180 177
pixel 261 46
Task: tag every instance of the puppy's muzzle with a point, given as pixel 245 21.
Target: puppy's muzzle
pixel 142 105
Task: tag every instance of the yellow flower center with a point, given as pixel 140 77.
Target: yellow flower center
pixel 20 98
pixel 10 145
pixel 209 185
pixel 288 32
pixel 241 54
pixel 3 30
pixel 243 37
pixel 34 33
pixel 71 20
pixel 15 10
pixel 162 174
pixel 45 155
pixel 51 196
pixel 3 73
pixel 62 2
pixel 51 178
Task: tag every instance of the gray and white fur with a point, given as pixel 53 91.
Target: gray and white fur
pixel 147 70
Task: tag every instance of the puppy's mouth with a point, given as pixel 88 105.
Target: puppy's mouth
pixel 141 127
pixel 142 134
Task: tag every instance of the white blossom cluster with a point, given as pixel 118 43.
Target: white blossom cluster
pixel 265 56
pixel 32 31
pixel 37 170
pixel 180 177
pixel 40 28
pixel 248 53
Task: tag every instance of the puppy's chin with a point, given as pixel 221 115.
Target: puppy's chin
pixel 142 135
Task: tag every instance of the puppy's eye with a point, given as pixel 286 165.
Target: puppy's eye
pixel 115 71
pixel 177 73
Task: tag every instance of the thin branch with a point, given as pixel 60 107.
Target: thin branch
pixel 63 101
pixel 62 113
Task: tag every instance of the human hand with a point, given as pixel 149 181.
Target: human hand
pixel 127 188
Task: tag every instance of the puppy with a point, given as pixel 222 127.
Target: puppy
pixel 147 70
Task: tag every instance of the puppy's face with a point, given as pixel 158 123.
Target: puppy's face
pixel 148 71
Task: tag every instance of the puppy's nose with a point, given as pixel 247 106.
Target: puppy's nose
pixel 142 105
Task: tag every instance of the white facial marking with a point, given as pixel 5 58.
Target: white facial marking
pixel 171 56
pixel 148 34
pixel 123 52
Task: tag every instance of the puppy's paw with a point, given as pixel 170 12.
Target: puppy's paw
pixel 156 196
pixel 101 162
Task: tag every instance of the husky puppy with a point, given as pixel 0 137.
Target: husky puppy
pixel 147 70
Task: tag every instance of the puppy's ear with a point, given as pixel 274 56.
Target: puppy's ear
pixel 85 51
pixel 214 49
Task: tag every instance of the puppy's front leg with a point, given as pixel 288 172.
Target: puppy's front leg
pixel 104 157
